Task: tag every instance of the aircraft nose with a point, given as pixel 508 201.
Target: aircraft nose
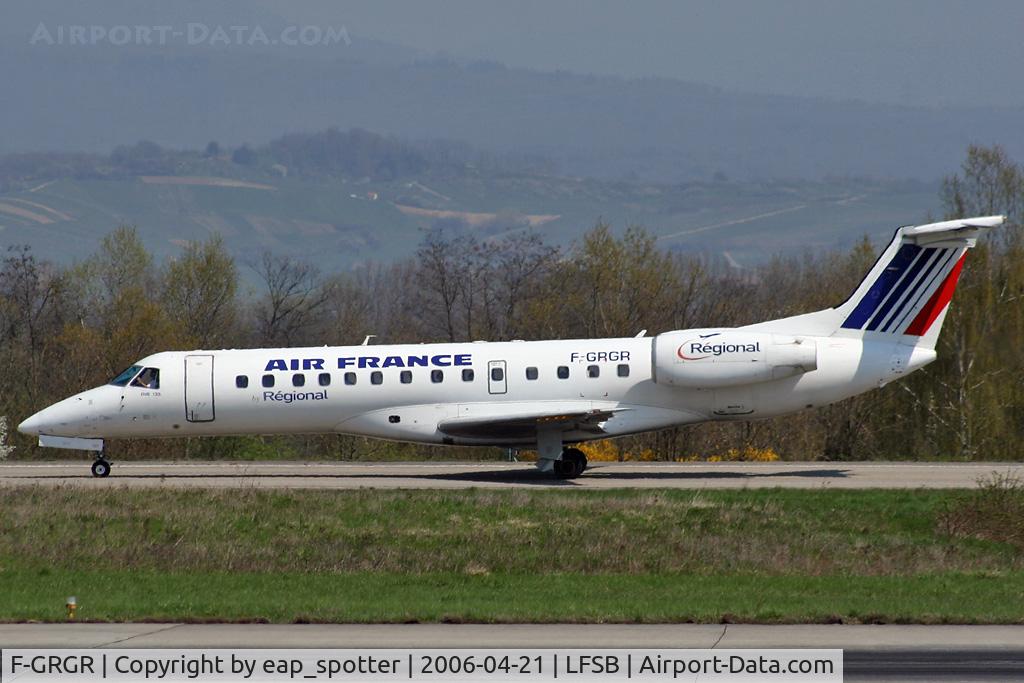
pixel 74 416
pixel 32 425
pixel 52 420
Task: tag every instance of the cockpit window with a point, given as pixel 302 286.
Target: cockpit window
pixel 126 376
pixel 149 378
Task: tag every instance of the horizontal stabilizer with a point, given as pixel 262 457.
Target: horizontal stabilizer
pixel 956 226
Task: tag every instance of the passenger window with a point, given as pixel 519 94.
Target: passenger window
pixel 593 371
pixel 149 378
pixel 268 381
pixel 126 376
pixel 324 379
pixel 405 377
pixel 350 378
pixel 497 374
pixel 376 377
pixel 467 374
pixel 623 370
pixel 531 373
pixel 298 380
pixel 437 376
pixel 563 372
pixel 242 381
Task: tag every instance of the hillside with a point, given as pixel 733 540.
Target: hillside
pixel 337 222
pixel 654 130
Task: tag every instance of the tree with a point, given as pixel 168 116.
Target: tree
pixel 472 289
pixel 30 293
pixel 443 270
pixel 968 395
pixel 618 286
pixel 199 291
pixel 123 262
pixel 144 157
pixel 295 292
pixel 989 183
pixel 117 303
pixel 28 290
pixel 521 266
pixel 244 156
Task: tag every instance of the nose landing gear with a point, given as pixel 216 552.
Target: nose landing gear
pixel 100 466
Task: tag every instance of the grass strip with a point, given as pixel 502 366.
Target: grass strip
pixel 868 533
pixel 513 556
pixel 396 598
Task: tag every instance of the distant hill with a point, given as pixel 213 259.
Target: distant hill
pixel 340 198
pixel 653 130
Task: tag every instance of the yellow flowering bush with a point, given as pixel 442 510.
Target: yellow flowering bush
pixel 608 451
pixel 745 454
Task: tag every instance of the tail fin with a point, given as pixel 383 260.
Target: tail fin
pixel 908 291
pixel 906 294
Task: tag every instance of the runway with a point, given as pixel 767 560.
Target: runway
pixel 876 653
pixel 431 475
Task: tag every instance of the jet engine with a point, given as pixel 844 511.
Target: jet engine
pixel 709 359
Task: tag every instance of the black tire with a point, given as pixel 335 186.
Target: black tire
pixel 564 469
pixel 571 465
pixel 579 457
pixel 100 468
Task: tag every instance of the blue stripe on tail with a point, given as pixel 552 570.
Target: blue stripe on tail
pixel 924 285
pixel 911 277
pixel 882 286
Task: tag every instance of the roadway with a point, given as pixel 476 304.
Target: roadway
pixel 434 475
pixel 875 653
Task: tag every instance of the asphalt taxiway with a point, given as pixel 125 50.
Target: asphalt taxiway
pixel 435 475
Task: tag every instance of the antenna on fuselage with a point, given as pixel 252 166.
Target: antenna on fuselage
pixel 366 342
pixel 640 334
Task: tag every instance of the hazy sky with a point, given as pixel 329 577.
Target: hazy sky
pixel 919 52
pixel 929 52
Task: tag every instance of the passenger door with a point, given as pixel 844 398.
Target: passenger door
pixel 497 379
pixel 199 388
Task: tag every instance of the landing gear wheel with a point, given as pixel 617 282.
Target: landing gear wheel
pixel 571 465
pixel 100 468
pixel 577 457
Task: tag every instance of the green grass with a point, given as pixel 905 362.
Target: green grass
pixel 621 556
pixel 366 597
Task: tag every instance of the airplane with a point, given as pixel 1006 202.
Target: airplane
pixel 543 395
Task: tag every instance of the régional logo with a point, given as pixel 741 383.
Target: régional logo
pixel 699 350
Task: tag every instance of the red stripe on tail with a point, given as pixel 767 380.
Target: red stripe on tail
pixel 940 299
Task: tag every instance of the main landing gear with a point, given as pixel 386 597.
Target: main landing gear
pixel 571 465
pixel 100 466
pixel 562 461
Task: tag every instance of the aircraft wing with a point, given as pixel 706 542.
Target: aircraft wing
pixel 525 426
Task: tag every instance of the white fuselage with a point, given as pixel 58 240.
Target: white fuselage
pixel 335 389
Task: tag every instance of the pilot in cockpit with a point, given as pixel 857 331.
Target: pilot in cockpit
pixel 149 378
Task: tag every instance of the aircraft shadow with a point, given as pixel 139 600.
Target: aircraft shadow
pixel 609 475
pixel 502 476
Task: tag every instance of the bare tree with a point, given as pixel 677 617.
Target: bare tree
pixel 295 292
pixel 522 263
pixel 442 271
